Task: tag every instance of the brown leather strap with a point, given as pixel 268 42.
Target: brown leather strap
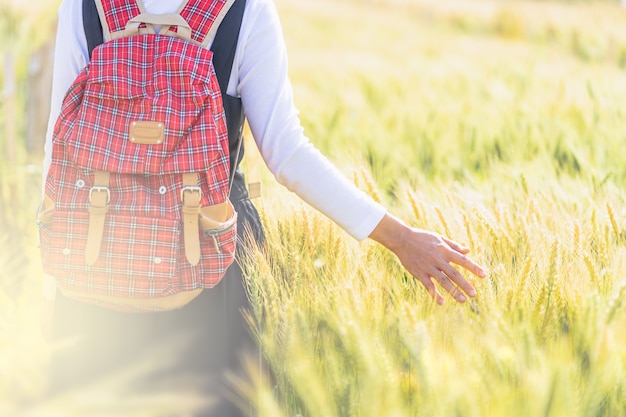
pixel 151 20
pixel 99 197
pixel 190 196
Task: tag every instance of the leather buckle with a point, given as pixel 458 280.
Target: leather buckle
pixel 98 188
pixel 190 189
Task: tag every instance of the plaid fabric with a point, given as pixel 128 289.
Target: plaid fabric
pixel 119 12
pixel 142 78
pixel 140 256
pixel 200 14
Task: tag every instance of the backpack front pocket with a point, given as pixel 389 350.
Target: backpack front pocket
pixel 138 255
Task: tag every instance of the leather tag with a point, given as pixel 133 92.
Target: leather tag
pixel 146 133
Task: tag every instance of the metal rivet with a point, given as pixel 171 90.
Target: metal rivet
pixel 157 260
pixel 80 184
pixel 66 251
pixel 162 189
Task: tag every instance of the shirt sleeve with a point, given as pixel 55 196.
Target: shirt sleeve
pixel 70 57
pixel 267 96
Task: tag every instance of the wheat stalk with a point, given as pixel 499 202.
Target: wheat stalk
pixel 370 187
pixel 593 274
pixel 576 237
pixel 443 221
pixel 616 303
pixel 613 220
pixel 468 230
pixel 415 208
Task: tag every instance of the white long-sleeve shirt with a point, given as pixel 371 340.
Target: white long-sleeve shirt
pixel 259 76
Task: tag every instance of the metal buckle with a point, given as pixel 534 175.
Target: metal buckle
pixel 190 188
pixel 100 188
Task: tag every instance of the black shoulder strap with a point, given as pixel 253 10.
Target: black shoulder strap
pixel 92 25
pixel 223 47
pixel 225 43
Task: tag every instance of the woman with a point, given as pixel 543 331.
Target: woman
pixel 205 338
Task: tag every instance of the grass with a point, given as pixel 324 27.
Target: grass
pixel 350 334
pixel 499 132
pixel 500 124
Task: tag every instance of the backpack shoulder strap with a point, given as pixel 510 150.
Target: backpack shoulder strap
pixel 225 24
pixel 101 19
pixel 92 25
pixel 114 14
pixel 204 17
pixel 225 43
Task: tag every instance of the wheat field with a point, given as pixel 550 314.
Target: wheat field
pixel 500 124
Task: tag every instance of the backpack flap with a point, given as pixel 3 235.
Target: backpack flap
pixel 174 95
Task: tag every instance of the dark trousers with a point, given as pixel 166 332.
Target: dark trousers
pixel 183 355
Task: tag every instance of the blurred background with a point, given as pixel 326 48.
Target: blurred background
pixel 26 43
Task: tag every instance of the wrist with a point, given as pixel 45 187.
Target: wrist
pixel 390 232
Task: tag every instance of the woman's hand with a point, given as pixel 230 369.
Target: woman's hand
pixel 429 257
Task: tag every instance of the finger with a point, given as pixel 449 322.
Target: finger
pixel 456 246
pixel 457 278
pixel 431 288
pixel 468 264
pixel 450 288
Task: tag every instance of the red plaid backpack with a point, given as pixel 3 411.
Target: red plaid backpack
pixel 136 213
